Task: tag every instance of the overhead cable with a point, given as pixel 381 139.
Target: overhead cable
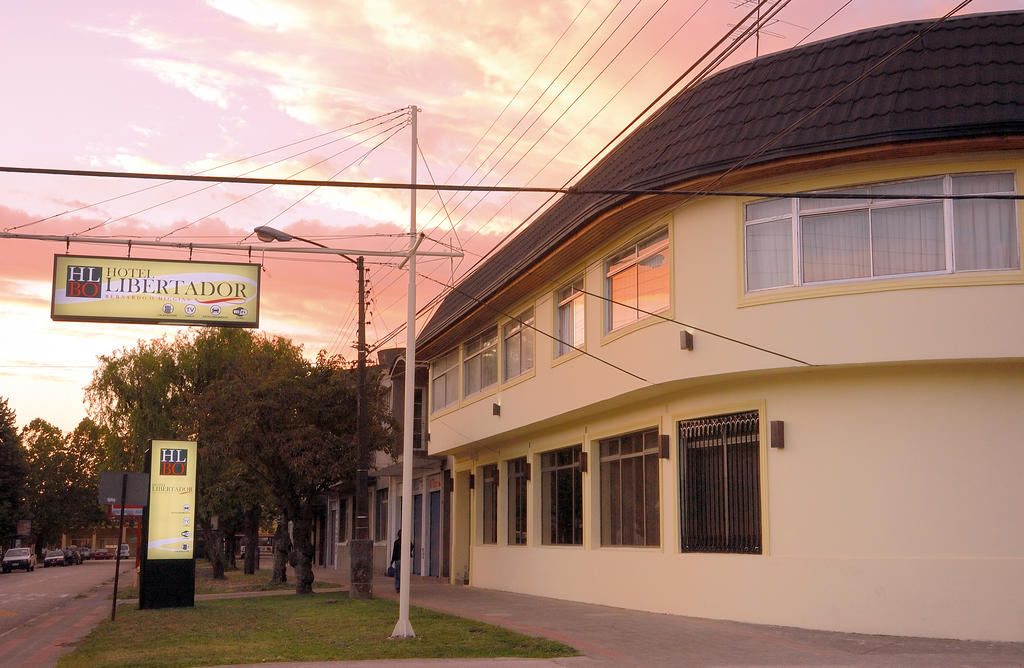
pixel 221 166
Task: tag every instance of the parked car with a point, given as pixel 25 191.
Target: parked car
pixel 125 552
pixel 18 557
pixel 53 558
pixel 101 553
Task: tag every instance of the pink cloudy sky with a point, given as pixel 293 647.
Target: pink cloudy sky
pixel 187 86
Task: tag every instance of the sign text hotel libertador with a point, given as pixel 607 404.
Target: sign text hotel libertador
pixel 103 289
pixel 172 500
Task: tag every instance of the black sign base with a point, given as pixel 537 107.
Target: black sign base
pixel 167 583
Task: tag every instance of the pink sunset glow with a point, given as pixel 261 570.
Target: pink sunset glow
pixel 275 88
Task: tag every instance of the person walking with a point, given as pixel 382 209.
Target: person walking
pixel 396 558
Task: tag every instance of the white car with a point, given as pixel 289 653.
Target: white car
pixel 18 557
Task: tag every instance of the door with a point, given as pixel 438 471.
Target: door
pixel 417 532
pixel 434 545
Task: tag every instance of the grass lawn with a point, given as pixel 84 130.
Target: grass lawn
pixel 318 627
pixel 236 581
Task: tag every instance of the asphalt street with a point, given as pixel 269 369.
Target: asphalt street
pixel 69 600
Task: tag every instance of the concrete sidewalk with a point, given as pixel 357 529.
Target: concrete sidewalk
pixel 615 636
pixel 604 636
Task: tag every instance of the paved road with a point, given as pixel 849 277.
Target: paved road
pixel 42 611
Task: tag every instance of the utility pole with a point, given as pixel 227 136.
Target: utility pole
pixel 403 628
pixel 362 545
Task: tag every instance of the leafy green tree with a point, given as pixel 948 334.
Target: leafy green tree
pixel 133 395
pixel 62 484
pixel 13 474
pixel 294 424
pixel 231 491
pixel 271 426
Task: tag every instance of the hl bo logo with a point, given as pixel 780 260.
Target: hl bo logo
pixel 84 282
pixel 172 461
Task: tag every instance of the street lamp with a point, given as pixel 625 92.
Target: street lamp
pixel 361 546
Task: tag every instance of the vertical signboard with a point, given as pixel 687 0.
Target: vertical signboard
pixel 168 575
pixel 172 500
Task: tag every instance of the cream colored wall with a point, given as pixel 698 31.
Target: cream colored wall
pixel 955 316
pixel 893 508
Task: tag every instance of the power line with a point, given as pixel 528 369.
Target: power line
pixel 245 173
pixel 221 166
pixel 385 185
pixel 737 42
pixel 708 192
pixel 835 96
pixel 481 302
pixel 639 310
pixel 699 329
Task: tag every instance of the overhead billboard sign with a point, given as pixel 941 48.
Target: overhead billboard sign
pixel 170 292
pixel 172 500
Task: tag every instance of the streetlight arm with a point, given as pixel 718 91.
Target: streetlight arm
pixel 268 234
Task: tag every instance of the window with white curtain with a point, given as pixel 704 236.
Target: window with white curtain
pixel 571 318
pixel 480 362
pixel 444 386
pixel 517 345
pixel 800 241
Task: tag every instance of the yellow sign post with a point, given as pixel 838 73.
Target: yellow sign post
pixel 168 568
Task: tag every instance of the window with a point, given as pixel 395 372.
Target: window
pixel 629 489
pixel 798 241
pixel 720 495
pixel 637 281
pixel 380 514
pixel 517 477
pixel 444 389
pixel 517 345
pixel 489 514
pixel 480 362
pixel 417 420
pixel 562 496
pixel 571 318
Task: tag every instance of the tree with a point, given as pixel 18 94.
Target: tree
pixel 133 395
pixel 293 423
pixel 62 484
pixel 270 426
pixel 231 491
pixel 13 474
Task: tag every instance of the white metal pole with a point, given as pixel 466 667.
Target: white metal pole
pixel 403 629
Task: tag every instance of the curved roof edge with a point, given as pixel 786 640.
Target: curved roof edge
pixel 962 79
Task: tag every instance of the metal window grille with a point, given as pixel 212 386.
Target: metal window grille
pixel 720 495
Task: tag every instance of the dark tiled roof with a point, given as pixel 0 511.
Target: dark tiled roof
pixel 963 79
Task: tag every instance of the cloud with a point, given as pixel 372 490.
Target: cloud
pixel 206 83
pixel 146 38
pixel 278 16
